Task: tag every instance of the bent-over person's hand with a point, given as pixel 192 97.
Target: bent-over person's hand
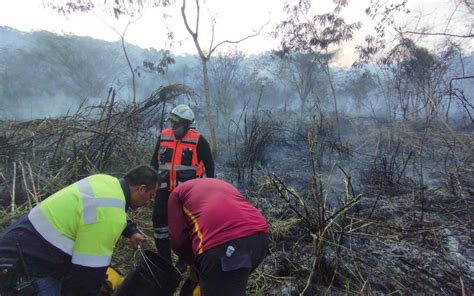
pixel 137 239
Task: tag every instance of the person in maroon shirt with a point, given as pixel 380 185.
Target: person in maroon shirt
pixel 213 228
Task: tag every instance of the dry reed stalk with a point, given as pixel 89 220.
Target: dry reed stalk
pixel 28 192
pixel 463 289
pixel 35 194
pixel 33 150
pixel 13 188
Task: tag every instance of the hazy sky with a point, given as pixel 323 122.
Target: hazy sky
pixel 234 20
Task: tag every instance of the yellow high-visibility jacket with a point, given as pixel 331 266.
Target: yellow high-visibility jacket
pixel 84 220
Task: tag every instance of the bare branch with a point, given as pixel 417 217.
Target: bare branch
pixel 183 7
pixel 198 8
pixel 193 34
pixel 240 40
pixel 438 34
pixel 451 17
pixel 124 49
pixel 115 8
pixel 213 29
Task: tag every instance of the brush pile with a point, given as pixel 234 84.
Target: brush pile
pixel 39 157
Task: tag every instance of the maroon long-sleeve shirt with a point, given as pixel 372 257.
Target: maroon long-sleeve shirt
pixel 204 213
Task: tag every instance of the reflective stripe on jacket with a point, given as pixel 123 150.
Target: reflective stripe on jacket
pixel 84 220
pixel 178 160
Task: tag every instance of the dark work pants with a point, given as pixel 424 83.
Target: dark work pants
pixel 227 274
pixel 45 286
pixel 160 224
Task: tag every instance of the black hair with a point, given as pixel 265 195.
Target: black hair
pixel 143 174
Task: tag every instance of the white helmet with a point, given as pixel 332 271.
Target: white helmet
pixel 183 113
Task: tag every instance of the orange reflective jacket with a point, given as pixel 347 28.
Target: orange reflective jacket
pixel 178 160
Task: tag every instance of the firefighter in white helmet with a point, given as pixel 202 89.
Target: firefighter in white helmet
pixel 181 154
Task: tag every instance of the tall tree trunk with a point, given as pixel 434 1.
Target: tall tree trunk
pixel 325 65
pixel 122 39
pixel 302 107
pixel 333 92
pixel 210 116
pixel 204 59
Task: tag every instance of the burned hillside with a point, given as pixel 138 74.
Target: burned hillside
pixel 375 209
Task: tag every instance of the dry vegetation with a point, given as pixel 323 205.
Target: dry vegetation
pixel 377 210
pixel 390 213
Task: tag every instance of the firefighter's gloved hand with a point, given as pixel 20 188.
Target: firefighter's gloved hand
pixel 137 239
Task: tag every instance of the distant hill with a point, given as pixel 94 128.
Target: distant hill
pixel 41 66
pixel 12 38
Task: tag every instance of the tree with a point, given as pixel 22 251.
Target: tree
pixel 359 86
pixel 303 72
pixel 445 29
pixel 133 10
pixel 115 8
pixel 317 34
pixel 450 33
pixel 205 55
pixel 384 13
pixel 226 74
pixel 125 54
pixel 418 76
pixel 274 71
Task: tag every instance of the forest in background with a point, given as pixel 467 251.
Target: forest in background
pixel 46 75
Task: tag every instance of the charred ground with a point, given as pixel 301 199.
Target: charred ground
pixel 355 206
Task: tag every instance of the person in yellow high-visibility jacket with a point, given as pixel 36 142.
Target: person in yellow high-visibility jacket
pixel 73 232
